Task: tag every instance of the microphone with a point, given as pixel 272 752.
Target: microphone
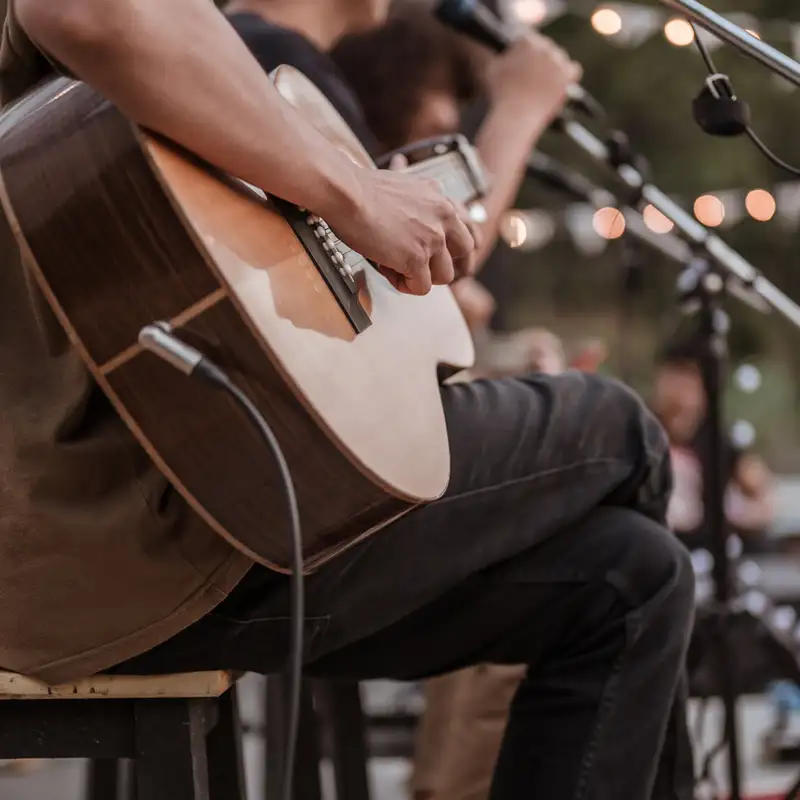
pixel 473 19
pixel 558 176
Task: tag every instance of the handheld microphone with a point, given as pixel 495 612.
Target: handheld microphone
pixel 473 19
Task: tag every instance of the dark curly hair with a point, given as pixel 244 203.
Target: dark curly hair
pixel 392 67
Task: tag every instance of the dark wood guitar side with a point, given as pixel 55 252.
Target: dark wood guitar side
pixel 121 230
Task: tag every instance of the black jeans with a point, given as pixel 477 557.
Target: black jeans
pixel 548 550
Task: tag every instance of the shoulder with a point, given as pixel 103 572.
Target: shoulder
pixel 272 45
pixel 22 65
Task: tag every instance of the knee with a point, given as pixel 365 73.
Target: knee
pixel 637 418
pixel 614 410
pixel 653 569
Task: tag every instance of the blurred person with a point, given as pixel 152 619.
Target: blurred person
pixel 679 401
pixel 548 547
pixel 412 76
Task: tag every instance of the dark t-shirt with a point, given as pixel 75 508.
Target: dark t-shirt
pixel 274 46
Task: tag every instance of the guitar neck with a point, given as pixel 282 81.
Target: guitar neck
pixel 451 173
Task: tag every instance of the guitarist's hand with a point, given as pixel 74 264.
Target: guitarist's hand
pixel 462 267
pixel 405 224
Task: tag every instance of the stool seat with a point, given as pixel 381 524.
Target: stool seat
pixel 14 686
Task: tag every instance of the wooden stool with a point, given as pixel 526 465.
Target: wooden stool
pixel 180 731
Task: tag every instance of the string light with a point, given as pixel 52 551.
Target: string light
pixel 530 12
pixel 709 210
pixel 609 223
pixel 514 230
pixel 760 205
pixel 656 221
pixel 679 32
pixel 607 21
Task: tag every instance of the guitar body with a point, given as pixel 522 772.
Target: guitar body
pixel 121 229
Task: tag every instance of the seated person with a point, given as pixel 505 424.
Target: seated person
pixel 679 401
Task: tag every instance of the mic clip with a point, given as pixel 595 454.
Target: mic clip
pixel 717 109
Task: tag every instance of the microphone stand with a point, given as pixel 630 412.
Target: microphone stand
pixel 750 45
pixel 714 269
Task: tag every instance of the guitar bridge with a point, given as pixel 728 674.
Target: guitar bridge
pixel 336 262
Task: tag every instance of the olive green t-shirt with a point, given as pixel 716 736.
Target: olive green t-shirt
pixel 100 559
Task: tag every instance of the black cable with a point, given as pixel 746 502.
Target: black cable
pixel 159 339
pixel 729 116
pixel 220 380
pixel 704 51
pixel 776 160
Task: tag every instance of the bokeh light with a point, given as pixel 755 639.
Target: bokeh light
pixel 748 378
pixel 760 205
pixel 709 210
pixel 609 223
pixel 513 229
pixel 607 21
pixel 743 434
pixel 656 221
pixel 679 32
pixel 529 12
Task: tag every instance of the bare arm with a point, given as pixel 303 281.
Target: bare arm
pixel 750 498
pixel 177 67
pixel 527 85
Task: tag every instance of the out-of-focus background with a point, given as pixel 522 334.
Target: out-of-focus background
pixel 641 63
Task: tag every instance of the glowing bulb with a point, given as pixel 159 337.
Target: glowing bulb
pixel 709 210
pixel 656 221
pixel 607 21
pixel 609 223
pixel 679 32
pixel 514 230
pixel 760 205
pixel 753 33
pixel 529 12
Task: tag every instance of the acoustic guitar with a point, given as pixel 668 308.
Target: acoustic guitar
pixel 122 229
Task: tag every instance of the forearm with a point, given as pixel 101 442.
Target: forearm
pixel 504 143
pixel 178 68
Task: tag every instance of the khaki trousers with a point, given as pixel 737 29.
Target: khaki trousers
pixel 460 733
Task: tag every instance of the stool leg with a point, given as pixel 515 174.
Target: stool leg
pixel 344 717
pixel 225 765
pixel 171 749
pixel 307 785
pixel 102 779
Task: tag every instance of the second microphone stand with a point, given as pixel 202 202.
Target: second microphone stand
pixel 700 292
pixel 715 269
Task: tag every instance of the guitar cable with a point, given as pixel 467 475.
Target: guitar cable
pixel 159 339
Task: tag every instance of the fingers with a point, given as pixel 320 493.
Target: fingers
pixel 398 162
pixel 458 237
pixel 442 270
pixel 467 265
